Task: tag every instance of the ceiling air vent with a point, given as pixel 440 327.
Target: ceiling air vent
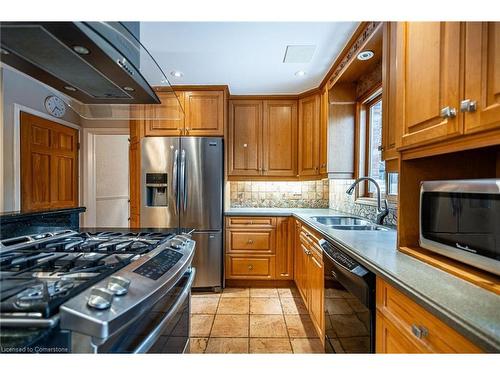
pixel 299 54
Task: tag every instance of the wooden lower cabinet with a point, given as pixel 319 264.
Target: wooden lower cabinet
pixel 309 275
pixel 258 248
pixel 403 326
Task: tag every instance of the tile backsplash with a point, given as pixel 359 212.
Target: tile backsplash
pixel 282 194
pixel 340 201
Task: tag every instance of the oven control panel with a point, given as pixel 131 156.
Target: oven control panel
pixel 156 267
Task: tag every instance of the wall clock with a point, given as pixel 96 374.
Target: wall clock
pixel 55 106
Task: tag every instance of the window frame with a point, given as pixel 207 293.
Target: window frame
pixel 373 100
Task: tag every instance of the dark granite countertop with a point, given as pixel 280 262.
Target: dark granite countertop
pixel 471 310
pixel 13 215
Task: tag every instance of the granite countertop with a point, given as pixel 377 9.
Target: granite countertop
pixel 12 215
pixel 471 310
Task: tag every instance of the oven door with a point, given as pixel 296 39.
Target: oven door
pixel 164 328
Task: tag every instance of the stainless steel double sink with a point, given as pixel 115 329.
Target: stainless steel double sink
pixel 346 223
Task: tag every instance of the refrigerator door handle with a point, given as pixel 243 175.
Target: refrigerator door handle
pixel 183 177
pixel 185 183
pixel 175 181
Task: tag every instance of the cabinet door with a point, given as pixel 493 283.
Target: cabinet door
pixel 204 113
pixel 245 138
pixel 482 76
pixel 284 248
pixel 280 138
pixel 390 340
pixel 323 132
pixel 389 124
pixel 309 109
pixel 429 81
pixel 298 260
pixel 169 113
pixel 315 276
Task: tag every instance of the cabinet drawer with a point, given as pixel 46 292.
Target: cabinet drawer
pixel 247 221
pixel 424 330
pixel 249 267
pixel 247 240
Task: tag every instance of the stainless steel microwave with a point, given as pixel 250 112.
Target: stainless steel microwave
pixel 461 220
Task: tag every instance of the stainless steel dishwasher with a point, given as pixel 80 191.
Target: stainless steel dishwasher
pixel 349 303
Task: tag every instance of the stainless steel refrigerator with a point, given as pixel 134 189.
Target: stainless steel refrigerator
pixel 182 187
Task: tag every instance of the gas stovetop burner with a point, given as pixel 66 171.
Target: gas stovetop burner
pixel 39 273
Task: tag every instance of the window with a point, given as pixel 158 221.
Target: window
pixel 375 166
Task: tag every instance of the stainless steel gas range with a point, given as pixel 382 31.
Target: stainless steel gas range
pixel 103 292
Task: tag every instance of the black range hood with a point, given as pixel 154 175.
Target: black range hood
pixel 92 62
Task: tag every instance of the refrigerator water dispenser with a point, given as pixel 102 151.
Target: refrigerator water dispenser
pixel 157 189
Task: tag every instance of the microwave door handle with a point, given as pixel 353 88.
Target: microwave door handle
pixel 148 342
pixel 175 181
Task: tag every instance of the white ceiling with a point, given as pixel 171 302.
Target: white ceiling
pixel 247 56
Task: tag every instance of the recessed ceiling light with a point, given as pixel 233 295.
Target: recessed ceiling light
pixel 70 88
pixel 365 55
pixel 81 50
pixel 300 73
pixel 128 88
pixel 176 73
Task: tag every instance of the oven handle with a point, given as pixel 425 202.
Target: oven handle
pixel 148 342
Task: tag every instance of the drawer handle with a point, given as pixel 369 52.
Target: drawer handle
pixel 250 267
pixel 250 242
pixel 419 331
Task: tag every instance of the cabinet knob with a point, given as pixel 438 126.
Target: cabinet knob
pixel 250 242
pixel 250 267
pixel 245 145
pixel 448 112
pixel 468 105
pixel 419 331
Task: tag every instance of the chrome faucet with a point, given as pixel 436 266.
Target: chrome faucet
pixel 381 213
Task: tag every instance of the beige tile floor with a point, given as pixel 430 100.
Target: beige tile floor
pixel 248 320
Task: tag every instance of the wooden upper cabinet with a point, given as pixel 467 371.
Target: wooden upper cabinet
pixel 389 122
pixel 280 138
pixel 204 113
pixel 169 113
pixel 323 132
pixel 309 111
pixel 482 76
pixel 245 138
pixel 428 55
pixel 49 164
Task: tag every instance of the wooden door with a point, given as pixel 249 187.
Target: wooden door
pixel 49 164
pixel 284 248
pixel 323 132
pixel 204 113
pixel 245 138
pixel 280 138
pixel 482 76
pixel 169 114
pixel 309 109
pixel 428 55
pixel 315 277
pixel 389 124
